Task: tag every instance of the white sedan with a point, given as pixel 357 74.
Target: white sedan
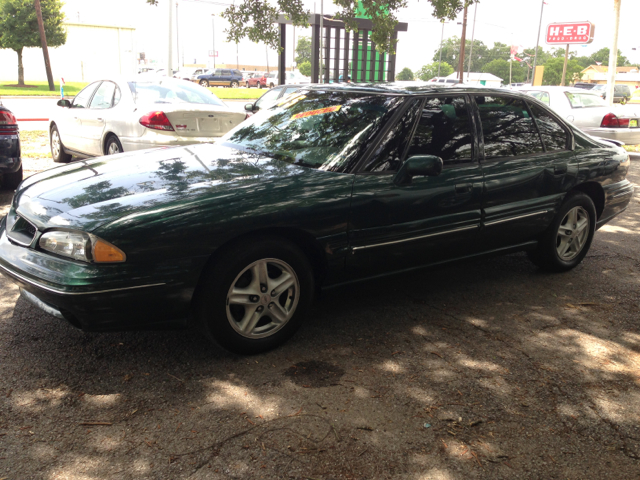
pixel 121 115
pixel 590 113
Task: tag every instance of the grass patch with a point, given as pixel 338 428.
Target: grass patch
pixel 632 148
pixel 40 89
pixel 237 93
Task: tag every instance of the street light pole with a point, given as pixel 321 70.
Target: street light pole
pixel 473 34
pixel 535 54
pixel 613 53
pixel 170 52
pixel 441 38
pixel 462 40
pixel 213 36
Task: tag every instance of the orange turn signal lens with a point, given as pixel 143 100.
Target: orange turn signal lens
pixel 104 252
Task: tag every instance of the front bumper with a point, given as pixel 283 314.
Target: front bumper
pixel 628 136
pixel 94 298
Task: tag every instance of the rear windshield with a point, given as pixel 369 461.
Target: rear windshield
pixel 317 129
pixel 584 100
pixel 599 87
pixel 170 91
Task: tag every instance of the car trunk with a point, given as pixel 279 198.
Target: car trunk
pixel 195 120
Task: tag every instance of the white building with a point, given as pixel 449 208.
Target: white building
pixel 479 78
pixel 92 51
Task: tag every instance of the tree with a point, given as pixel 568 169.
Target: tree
pixel 19 27
pixel 405 74
pixel 303 50
pixel 451 52
pixel 498 67
pixel 553 71
pixel 254 19
pixel 602 56
pixel 427 72
pixel 305 68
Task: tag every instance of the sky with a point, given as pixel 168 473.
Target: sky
pixel 507 21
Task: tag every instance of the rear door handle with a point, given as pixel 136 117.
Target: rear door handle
pixel 559 169
pixel 463 188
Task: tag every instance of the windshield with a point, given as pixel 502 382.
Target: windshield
pixel 171 91
pixel 317 129
pixel 599 87
pixel 584 100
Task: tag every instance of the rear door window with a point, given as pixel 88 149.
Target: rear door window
pixel 444 130
pixel 103 97
pixel 507 127
pixel 542 96
pixel 553 134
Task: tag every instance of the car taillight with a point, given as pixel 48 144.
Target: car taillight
pixel 8 123
pixel 157 121
pixel 611 121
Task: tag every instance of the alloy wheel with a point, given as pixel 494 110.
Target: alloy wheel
pixel 572 234
pixel 113 149
pixel 262 298
pixel 55 143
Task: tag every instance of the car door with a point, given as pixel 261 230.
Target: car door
pixel 94 118
pixel 528 165
pixel 70 126
pixel 401 226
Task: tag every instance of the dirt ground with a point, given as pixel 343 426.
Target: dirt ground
pixel 487 370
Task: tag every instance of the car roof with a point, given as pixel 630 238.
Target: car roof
pixel 554 89
pixel 405 88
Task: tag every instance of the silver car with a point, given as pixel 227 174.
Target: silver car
pixel 590 113
pixel 113 116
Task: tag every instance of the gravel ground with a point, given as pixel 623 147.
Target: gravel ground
pixel 490 369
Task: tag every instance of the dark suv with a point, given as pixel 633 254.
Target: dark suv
pixel 220 77
pixel 10 157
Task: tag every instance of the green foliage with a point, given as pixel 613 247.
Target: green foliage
pixel 405 74
pixel 427 72
pixel 305 68
pixel 602 56
pixel 303 50
pixel 498 67
pixel 19 26
pixel 553 71
pixel 254 19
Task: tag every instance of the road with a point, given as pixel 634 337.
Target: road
pixel 490 369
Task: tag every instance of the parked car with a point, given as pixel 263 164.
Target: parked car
pixel 339 183
pixel 120 115
pixel 635 97
pixel 296 78
pixel 189 73
pixel 10 154
pixel 259 80
pixel 444 80
pixel 621 93
pixel 220 77
pixel 590 113
pixel 270 97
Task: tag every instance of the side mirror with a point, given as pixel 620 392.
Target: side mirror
pixel 249 107
pixel 64 103
pixel 418 165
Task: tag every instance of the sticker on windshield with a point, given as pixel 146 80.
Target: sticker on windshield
pixel 320 111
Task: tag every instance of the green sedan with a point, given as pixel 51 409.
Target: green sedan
pixel 332 185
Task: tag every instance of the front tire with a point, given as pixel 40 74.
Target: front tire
pixel 260 85
pixel 57 148
pixel 204 83
pixel 247 85
pixel 255 297
pixel 568 239
pixel 234 84
pixel 113 146
pixel 10 181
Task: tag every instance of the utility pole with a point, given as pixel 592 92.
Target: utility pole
pixel 45 49
pixel 322 39
pixel 462 40
pixel 170 52
pixel 178 38
pixel 441 38
pixel 213 36
pixel 613 52
pixel 564 67
pixel 535 54
pixel 473 34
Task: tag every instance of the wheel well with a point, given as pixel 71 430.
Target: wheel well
pixel 303 240
pixel 106 139
pixel 595 191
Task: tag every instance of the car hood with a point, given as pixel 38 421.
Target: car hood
pixel 89 193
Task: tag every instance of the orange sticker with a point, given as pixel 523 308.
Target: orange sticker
pixel 311 113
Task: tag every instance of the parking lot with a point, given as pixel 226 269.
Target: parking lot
pixel 488 369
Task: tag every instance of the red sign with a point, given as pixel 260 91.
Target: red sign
pixel 570 32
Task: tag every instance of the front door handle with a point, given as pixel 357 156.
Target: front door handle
pixel 560 169
pixel 463 188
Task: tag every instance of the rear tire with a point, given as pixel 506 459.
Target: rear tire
pixel 10 181
pixel 57 147
pixel 567 240
pixel 255 297
pixel 113 146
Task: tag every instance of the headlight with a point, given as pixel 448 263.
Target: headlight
pixel 81 246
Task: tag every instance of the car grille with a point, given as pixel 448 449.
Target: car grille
pixel 19 230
